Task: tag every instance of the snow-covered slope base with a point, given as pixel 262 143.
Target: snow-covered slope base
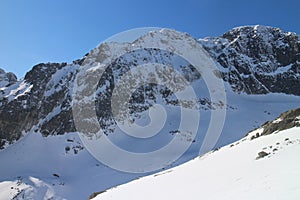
pixel 237 171
pixel 59 167
pixel 54 167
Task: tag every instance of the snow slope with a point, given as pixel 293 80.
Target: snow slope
pixel 54 167
pixel 29 167
pixel 233 172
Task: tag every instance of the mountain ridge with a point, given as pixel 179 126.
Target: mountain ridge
pixel 257 59
pixel 25 100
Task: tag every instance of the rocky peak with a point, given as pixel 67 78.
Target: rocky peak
pixel 257 59
pixel 7 79
pixel 42 72
pixel 264 43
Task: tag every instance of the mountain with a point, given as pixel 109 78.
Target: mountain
pixel 257 59
pixel 253 60
pixel 262 165
pixel 43 155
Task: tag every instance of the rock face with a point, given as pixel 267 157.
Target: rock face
pixel 253 59
pixel 258 59
pixel 39 102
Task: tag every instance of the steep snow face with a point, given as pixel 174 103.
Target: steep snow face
pixel 15 91
pixel 258 59
pixel 266 167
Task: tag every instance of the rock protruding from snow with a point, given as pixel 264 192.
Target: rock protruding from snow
pixel 285 121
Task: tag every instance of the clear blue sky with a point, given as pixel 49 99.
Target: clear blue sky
pixel 35 31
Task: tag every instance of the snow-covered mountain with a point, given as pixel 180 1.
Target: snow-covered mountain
pixel 42 155
pixel 262 165
pixel 257 59
pixel 252 59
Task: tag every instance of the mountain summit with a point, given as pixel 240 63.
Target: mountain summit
pixel 257 59
pixel 7 79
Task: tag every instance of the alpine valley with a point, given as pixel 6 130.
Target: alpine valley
pixel 43 157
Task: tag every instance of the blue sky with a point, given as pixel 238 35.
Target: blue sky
pixel 35 31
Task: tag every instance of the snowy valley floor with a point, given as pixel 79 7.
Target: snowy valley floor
pixel 59 167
